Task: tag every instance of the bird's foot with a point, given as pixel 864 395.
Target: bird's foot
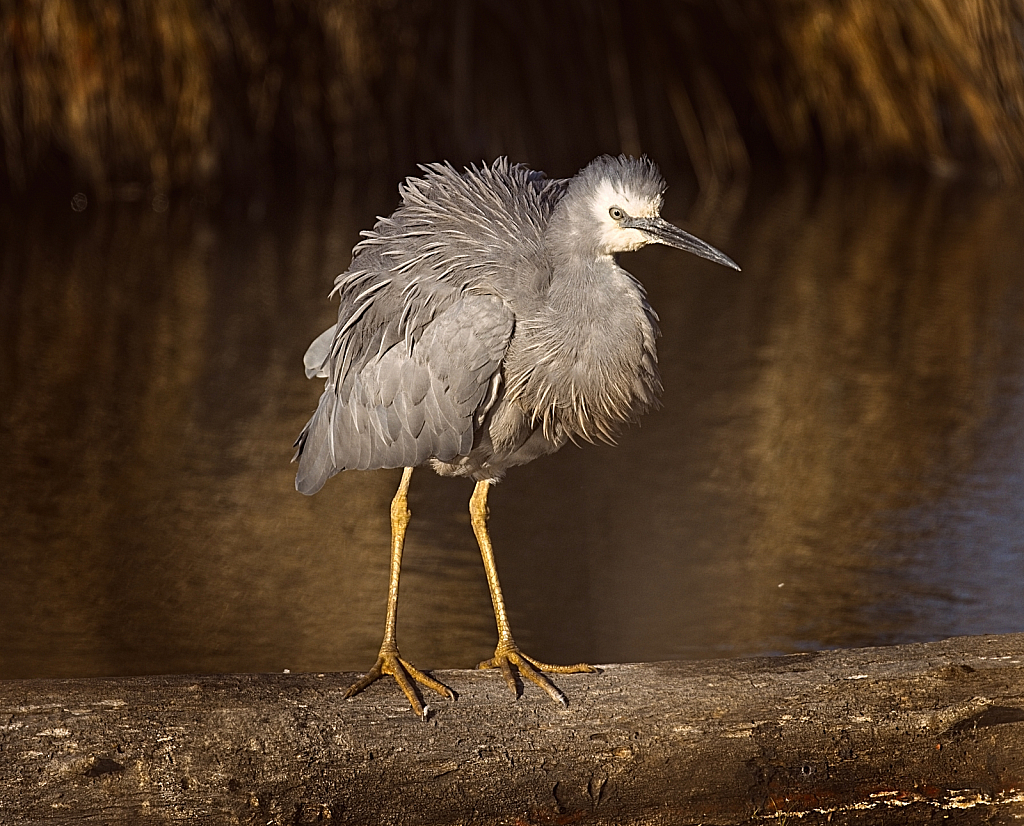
pixel 507 655
pixel 405 674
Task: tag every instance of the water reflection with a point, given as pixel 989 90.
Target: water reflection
pixel 892 347
pixel 839 459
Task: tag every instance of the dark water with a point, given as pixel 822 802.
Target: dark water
pixel 839 459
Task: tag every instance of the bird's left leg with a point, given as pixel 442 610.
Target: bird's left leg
pixel 507 653
pixel 389 661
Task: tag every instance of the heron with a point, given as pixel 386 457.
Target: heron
pixel 485 323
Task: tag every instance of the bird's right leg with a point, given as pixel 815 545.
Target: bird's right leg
pixel 507 654
pixel 389 661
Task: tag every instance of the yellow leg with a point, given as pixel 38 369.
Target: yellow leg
pixel 389 661
pixel 507 653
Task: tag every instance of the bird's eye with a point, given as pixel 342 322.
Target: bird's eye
pixel 616 213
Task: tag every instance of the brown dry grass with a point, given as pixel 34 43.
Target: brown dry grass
pixel 186 93
pixel 938 82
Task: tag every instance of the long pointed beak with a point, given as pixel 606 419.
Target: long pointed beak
pixel 660 231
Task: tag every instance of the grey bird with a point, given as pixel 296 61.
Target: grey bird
pixel 483 324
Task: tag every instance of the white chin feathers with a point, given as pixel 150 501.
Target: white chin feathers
pixel 616 239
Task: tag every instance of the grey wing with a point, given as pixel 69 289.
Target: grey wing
pixel 412 402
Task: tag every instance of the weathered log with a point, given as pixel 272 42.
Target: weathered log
pixel 907 734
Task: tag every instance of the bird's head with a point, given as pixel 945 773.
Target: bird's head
pixel 624 196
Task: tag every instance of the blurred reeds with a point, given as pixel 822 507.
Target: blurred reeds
pixel 121 96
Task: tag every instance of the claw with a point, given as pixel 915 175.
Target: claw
pixel 406 675
pixel 507 655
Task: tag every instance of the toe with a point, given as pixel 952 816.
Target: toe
pixel 428 681
pixel 510 659
pixel 526 669
pixel 578 668
pixel 406 675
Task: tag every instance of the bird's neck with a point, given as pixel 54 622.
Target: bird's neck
pixel 592 290
pixel 596 316
pixel 586 361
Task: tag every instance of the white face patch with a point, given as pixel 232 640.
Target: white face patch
pixel 615 238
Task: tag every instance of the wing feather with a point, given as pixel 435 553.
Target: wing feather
pixel 408 406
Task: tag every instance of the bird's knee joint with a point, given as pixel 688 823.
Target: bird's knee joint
pixel 400 514
pixel 478 519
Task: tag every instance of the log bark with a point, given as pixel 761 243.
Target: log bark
pixel 908 734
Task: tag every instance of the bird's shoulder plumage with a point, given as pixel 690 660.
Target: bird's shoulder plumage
pixel 462 229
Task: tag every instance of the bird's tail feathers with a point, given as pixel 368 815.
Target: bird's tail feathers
pixel 316 463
